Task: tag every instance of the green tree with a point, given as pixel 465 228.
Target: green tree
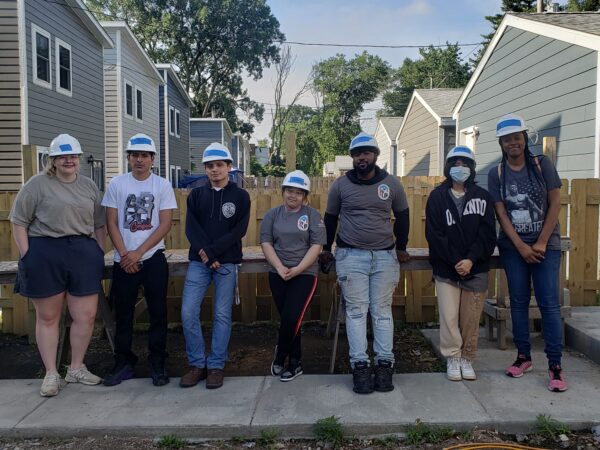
pixel 437 68
pixel 213 42
pixel 255 168
pixel 582 5
pixel 344 86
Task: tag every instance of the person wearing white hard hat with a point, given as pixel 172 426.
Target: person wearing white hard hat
pixel 292 236
pixel 369 249
pixel 217 220
pixel 139 209
pixel 526 192
pixel 59 227
pixel 461 231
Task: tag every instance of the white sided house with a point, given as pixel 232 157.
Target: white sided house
pixel 51 82
pixel 543 67
pixel 427 132
pixel 385 135
pixel 130 97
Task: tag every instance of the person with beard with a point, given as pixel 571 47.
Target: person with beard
pixel 529 252
pixel 367 258
pixel 461 231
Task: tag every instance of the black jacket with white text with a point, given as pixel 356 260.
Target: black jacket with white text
pixel 453 238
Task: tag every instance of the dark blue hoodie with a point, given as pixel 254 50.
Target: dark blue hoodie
pixel 216 222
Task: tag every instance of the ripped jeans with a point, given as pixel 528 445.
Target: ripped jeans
pixel 368 279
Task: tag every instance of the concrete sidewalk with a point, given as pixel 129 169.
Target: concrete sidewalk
pixel 247 405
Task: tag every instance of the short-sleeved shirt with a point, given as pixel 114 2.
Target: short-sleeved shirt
pixel 138 204
pixel 49 207
pixel 292 234
pixel 525 197
pixel 364 211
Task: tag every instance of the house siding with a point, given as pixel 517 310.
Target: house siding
pixel 10 99
pixel 552 84
pixel 384 160
pixel 50 112
pixel 202 134
pixel 179 147
pixel 114 157
pixel 419 137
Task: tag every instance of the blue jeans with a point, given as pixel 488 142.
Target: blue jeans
pixel 519 275
pixel 197 281
pixel 368 279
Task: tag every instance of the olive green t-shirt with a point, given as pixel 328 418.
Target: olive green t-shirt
pixel 48 207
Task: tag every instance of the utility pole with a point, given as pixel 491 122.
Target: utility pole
pixel 540 6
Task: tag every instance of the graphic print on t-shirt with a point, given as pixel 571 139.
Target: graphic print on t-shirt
pixel 524 206
pixel 138 211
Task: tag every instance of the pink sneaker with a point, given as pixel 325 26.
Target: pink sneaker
pixel 557 382
pixel 519 367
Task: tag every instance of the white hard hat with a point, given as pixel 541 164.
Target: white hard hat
pixel 364 140
pixel 511 123
pixel 461 151
pixel 141 143
pixel 216 152
pixel 297 179
pixel 64 144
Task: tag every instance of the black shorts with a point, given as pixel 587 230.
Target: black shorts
pixel 53 265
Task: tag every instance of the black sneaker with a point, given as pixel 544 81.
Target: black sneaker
pixel 121 371
pixel 383 376
pixel 361 376
pixel 293 370
pixel 158 373
pixel 277 365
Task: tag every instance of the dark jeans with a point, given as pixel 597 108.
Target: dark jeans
pixel 519 275
pixel 292 298
pixel 154 276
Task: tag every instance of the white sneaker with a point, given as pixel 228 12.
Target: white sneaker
pixel 50 385
pixel 83 376
pixel 466 369
pixel 453 369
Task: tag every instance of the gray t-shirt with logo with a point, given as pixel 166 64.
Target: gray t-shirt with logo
pixel 526 201
pixel 364 211
pixel 292 234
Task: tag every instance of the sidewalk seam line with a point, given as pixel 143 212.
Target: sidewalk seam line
pixel 44 400
pixel 258 398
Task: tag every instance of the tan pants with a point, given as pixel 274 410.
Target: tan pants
pixel 460 312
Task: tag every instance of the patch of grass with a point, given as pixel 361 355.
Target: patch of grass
pixel 330 430
pixel 548 427
pixel 465 435
pixel 388 441
pixel 171 441
pixel 238 439
pixel 267 437
pixel 422 433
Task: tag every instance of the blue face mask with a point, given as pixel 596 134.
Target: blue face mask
pixel 460 174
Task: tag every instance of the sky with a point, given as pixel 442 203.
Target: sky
pixel 375 22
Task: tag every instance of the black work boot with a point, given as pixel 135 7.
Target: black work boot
pixel 361 376
pixel 383 376
pixel 158 372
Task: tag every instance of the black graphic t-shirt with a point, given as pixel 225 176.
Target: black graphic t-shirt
pixel 526 201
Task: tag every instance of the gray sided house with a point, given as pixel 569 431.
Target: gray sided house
pixel 174 115
pixel 203 131
pixel 427 132
pixel 385 135
pixel 51 82
pixel 543 67
pixel 240 152
pixel 130 97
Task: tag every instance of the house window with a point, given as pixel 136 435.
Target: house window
pixel 171 121
pixel 177 123
pixel 128 99
pixel 40 40
pixel 175 176
pixel 97 174
pixel 63 67
pixel 138 104
pixel 42 158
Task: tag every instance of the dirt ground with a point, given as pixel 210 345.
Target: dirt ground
pixel 578 441
pixel 250 352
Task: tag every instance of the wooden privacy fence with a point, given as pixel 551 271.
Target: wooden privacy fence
pixel 414 299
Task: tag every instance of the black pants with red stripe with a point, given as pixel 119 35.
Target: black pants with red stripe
pixel 292 298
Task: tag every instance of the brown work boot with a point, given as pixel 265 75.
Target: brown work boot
pixel 192 377
pixel 214 379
